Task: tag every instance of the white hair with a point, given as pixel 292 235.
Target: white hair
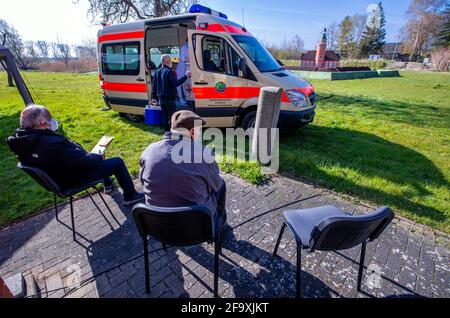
pixel 32 115
pixel 164 57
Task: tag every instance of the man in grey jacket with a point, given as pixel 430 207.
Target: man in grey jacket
pixel 175 171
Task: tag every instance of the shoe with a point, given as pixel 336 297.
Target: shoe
pixel 109 189
pixel 136 197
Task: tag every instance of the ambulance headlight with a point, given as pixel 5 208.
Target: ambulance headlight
pixel 297 98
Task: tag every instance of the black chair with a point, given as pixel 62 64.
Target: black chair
pixel 183 226
pixel 331 229
pixel 50 185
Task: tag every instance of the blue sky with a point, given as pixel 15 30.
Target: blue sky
pixel 272 20
pixel 275 20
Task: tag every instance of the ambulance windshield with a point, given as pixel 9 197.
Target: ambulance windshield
pixel 258 54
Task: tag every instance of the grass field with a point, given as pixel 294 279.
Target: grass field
pixel 385 141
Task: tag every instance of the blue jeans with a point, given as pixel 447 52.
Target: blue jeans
pixel 116 167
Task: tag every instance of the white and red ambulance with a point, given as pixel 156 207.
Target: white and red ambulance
pixel 229 67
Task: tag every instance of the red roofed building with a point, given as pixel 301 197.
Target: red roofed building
pixel 321 59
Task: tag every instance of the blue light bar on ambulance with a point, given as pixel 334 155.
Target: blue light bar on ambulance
pixel 198 8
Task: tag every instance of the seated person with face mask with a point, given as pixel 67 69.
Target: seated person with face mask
pixel 172 177
pixel 36 144
pixel 209 64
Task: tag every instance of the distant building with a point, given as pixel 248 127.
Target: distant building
pixel 394 51
pixel 321 59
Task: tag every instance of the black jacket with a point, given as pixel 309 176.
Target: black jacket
pixel 64 160
pixel 165 83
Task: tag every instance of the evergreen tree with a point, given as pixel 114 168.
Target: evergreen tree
pixel 374 36
pixel 443 38
pixel 345 38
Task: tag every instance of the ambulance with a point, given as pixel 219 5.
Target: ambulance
pixel 228 65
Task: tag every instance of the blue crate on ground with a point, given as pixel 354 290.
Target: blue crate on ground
pixel 153 115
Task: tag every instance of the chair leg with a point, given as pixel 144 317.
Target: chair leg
pixel 106 204
pixel 72 218
pixel 216 269
pixel 221 238
pixel 99 210
pixel 56 207
pixel 146 266
pixel 361 265
pixel 280 236
pixel 299 272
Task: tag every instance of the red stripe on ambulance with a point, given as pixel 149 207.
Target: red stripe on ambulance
pixel 121 36
pixel 213 28
pixel 240 92
pixel 221 28
pixel 124 87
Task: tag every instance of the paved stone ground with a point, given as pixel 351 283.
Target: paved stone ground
pixel 407 261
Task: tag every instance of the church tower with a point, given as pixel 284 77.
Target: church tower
pixel 321 51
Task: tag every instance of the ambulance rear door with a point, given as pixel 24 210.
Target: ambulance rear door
pixel 123 72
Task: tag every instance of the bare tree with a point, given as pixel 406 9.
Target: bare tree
pixel 359 24
pixel 61 51
pixel 117 11
pixel 288 49
pixel 10 38
pixel 425 19
pixel 91 47
pixel 332 36
pixel 43 49
pixel 32 55
pixel 5 31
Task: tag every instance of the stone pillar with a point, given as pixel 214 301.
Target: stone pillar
pixel 265 134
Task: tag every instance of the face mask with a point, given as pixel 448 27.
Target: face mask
pixel 55 124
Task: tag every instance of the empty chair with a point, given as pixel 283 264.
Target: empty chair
pixel 50 185
pixel 183 226
pixel 330 229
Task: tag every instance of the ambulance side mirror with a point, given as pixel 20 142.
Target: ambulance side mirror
pixel 243 68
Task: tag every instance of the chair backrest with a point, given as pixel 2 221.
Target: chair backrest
pixel 183 226
pixel 344 232
pixel 40 177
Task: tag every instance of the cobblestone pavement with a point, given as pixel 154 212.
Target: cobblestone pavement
pixel 407 261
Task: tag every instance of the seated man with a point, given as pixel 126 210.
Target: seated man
pixel 209 64
pixel 192 182
pixel 38 145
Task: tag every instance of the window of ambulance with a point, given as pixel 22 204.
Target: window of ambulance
pixel 262 59
pixel 121 58
pixel 217 55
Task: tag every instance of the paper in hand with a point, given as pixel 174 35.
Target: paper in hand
pixel 102 145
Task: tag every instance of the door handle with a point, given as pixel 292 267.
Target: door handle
pixel 201 83
pixel 140 79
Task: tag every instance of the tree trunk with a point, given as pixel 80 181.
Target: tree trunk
pixel 10 77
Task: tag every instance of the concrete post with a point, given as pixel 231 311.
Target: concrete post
pixel 267 117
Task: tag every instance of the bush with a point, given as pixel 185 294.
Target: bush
pixel 83 65
pixel 374 65
pixel 440 59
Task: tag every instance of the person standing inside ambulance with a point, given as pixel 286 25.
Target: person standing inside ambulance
pixel 164 90
pixel 182 68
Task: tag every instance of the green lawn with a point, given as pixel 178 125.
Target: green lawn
pixel 385 141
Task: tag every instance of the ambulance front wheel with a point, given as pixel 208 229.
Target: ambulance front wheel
pixel 132 117
pixel 249 120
